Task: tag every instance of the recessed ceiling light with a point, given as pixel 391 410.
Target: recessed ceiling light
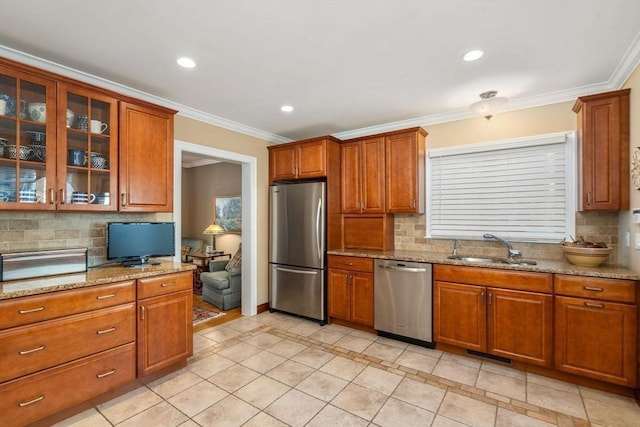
pixel 186 62
pixel 286 108
pixel 473 55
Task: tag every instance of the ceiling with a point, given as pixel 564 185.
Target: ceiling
pixel 348 68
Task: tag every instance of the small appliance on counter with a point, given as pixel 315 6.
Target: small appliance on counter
pixel 39 263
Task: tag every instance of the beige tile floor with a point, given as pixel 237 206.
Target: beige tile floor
pixel 279 370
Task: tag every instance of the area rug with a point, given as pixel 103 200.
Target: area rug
pixel 202 315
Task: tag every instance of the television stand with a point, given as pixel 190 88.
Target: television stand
pixel 140 262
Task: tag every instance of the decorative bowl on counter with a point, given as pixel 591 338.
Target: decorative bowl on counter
pixel 586 256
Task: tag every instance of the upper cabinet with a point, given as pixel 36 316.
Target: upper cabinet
pixel 65 146
pixel 405 179
pixel 362 174
pixel 27 140
pixel 146 158
pixel 87 150
pixel 603 131
pixel 301 160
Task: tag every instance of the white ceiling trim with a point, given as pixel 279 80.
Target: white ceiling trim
pixel 627 65
pixel 183 110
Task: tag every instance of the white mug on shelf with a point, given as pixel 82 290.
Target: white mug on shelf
pixel 3 107
pixel 98 127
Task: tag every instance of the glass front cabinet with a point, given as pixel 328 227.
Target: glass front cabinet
pixel 58 145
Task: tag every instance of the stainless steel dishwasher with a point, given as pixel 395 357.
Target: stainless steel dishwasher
pixel 403 295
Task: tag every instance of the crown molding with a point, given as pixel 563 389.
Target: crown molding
pixel 628 64
pixel 183 110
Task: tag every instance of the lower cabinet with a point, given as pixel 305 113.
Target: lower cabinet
pixel 596 328
pixel 165 324
pixel 351 289
pixel 511 323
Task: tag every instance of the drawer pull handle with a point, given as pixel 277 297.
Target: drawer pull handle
pixel 349 264
pixel 33 350
pixel 32 310
pixel 106 374
pixel 106 331
pixel 166 285
pixel 105 296
pixel 37 399
pixel 594 305
pixel 592 288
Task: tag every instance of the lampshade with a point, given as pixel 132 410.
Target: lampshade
pixel 214 229
pixel 489 105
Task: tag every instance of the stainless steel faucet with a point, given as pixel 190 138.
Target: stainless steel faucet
pixel 511 253
pixel 456 245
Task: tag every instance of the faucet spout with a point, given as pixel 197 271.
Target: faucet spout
pixel 511 253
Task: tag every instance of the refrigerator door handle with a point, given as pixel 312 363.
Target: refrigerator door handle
pixel 288 270
pixel 318 224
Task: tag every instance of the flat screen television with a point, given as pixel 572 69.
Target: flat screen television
pixel 134 243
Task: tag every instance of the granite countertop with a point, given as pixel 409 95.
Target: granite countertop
pixel 542 266
pixel 94 276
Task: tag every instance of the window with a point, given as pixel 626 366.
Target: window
pixel 522 189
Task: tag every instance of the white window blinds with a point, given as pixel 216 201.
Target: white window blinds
pixel 522 189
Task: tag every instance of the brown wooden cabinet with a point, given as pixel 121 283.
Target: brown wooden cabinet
pixel 603 132
pixel 165 324
pixel 302 159
pixel 596 324
pixel 146 158
pixel 62 348
pixel 362 173
pixel 350 289
pixel 405 171
pixel 504 313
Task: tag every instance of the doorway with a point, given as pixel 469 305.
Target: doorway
pixel 249 213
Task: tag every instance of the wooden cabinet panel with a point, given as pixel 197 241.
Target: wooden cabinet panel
pixel 603 131
pixel 368 231
pixel 363 175
pixel 36 308
pixel 350 289
pixel 520 326
pixel 36 396
pixel 404 164
pixel 362 298
pixel 282 162
pixel 596 339
pixel 516 280
pixel 28 349
pixel 165 284
pixel 338 294
pixel 165 331
pixel 460 315
pixel 146 159
pixel 596 288
pixel 312 159
pixel 302 159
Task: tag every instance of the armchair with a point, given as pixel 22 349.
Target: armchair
pixel 222 284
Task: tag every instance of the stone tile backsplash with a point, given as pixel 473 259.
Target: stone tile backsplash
pixel 410 230
pixel 47 230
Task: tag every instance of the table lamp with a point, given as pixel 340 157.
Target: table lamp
pixel 214 229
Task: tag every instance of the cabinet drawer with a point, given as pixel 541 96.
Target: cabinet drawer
pixel 34 397
pixel 166 284
pixel 28 349
pixel 516 280
pixel 350 263
pixel 30 309
pixel 596 288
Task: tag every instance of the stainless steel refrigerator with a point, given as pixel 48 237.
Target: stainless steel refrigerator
pixel 297 258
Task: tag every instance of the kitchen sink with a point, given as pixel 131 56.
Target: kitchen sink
pixel 484 260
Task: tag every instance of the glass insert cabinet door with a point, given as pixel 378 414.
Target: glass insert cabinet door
pixel 87 150
pixel 27 140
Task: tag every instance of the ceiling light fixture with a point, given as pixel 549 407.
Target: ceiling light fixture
pixel 286 108
pixel 473 55
pixel 489 105
pixel 186 62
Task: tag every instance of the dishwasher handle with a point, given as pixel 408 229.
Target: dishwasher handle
pixel 406 269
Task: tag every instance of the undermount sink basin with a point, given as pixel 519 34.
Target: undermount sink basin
pixel 483 260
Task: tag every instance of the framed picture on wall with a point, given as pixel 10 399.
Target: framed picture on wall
pixel 227 213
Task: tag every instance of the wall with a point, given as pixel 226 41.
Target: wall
pixel 629 256
pixel 196 132
pixel 599 226
pixel 199 186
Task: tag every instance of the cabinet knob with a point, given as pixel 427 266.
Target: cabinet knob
pixel 123 199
